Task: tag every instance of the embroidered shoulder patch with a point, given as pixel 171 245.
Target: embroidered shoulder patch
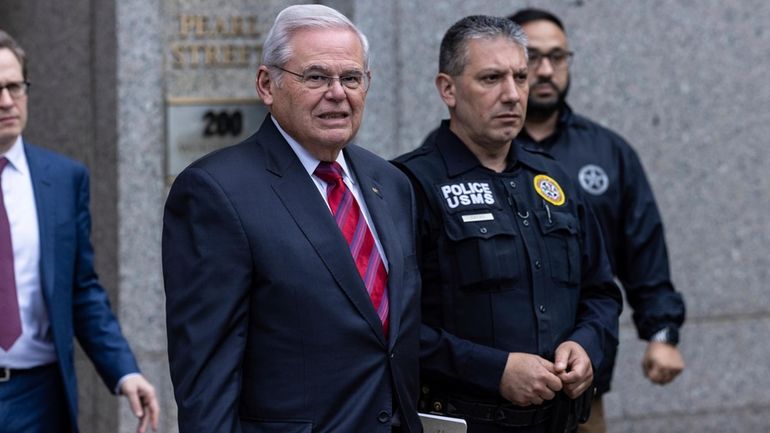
pixel 593 179
pixel 549 189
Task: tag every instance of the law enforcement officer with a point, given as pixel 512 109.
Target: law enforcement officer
pixel 608 169
pixel 518 299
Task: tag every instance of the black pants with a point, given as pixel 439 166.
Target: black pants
pixel 483 427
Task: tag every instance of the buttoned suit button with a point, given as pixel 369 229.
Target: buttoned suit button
pixel 383 417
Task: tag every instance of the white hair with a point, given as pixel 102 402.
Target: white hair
pixel 276 50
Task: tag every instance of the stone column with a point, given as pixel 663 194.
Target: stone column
pixel 140 160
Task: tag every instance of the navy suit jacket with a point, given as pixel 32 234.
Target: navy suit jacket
pixel 76 302
pixel 270 326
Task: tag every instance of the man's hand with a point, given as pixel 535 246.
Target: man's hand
pixel 528 379
pixel 662 362
pixel 573 366
pixel 144 403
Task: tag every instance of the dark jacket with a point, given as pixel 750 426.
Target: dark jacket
pixel 510 262
pixel 609 171
pixel 270 326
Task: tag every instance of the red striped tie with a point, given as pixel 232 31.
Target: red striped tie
pixel 10 321
pixel 353 226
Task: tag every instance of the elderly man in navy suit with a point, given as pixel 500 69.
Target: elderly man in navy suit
pixel 49 292
pixel 289 259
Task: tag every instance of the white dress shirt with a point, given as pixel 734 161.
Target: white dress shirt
pixel 311 163
pixel 35 346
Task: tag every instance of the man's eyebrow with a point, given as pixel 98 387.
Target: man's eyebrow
pixel 492 69
pixel 316 67
pixel 327 69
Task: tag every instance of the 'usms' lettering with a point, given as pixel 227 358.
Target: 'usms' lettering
pixel 467 194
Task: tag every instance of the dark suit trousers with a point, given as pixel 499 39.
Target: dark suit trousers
pixel 33 401
pixel 479 427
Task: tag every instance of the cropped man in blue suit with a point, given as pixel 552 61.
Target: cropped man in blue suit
pixel 292 289
pixel 49 292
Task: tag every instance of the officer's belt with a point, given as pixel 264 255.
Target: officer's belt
pixel 501 415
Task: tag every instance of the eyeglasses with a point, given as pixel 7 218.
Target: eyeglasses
pixel 558 58
pixel 16 90
pixel 312 79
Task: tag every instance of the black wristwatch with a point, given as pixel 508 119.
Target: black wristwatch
pixel 669 335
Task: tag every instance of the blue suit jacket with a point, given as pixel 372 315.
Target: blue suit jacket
pixel 77 304
pixel 270 326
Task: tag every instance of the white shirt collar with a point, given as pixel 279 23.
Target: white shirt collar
pixel 16 156
pixel 309 161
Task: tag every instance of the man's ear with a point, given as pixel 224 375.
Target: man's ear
pixel 265 85
pixel 446 89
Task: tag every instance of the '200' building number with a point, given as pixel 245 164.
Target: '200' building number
pixel 222 123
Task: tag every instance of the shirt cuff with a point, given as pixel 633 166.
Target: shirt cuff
pixel 116 391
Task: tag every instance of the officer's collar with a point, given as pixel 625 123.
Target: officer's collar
pixel 457 157
pixel 567 118
pixel 565 114
pixel 533 158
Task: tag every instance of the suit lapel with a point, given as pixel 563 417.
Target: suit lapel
pixel 42 186
pixel 300 196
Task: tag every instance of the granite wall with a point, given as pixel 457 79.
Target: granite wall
pixel 684 81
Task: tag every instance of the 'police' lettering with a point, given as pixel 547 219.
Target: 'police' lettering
pixel 467 193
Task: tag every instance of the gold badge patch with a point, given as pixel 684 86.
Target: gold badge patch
pixel 549 189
